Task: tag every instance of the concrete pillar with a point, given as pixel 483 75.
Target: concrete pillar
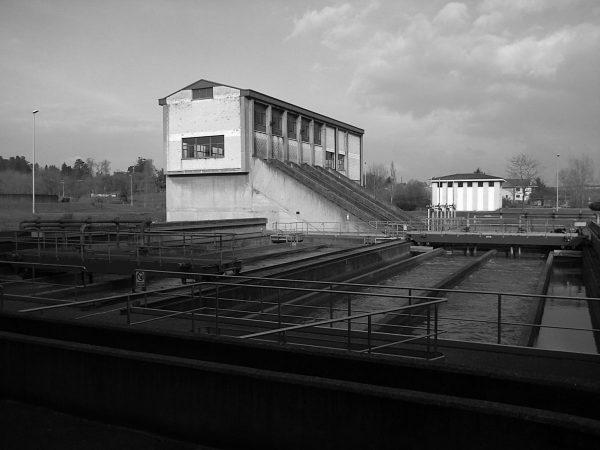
pixel 299 139
pixel 286 148
pixel 269 121
pixel 251 148
pixel 311 139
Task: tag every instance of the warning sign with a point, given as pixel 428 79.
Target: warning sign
pixel 140 279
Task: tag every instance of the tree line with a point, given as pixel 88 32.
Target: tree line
pixel 83 179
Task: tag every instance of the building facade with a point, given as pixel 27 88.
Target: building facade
pixel 467 192
pixel 214 135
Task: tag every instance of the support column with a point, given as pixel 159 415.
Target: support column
pixel 251 148
pixel 269 129
pixel 286 149
pixel 311 139
pixel 299 139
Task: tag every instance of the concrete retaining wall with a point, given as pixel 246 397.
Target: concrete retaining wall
pixel 231 406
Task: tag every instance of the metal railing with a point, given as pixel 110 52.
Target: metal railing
pixel 110 245
pixel 226 302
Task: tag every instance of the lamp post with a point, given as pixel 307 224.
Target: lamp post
pixel 131 188
pixel 33 113
pixel 557 156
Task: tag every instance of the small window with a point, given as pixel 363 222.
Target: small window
pixel 291 126
pixel 460 184
pixel 490 183
pixel 340 163
pixel 260 117
pixel 276 116
pixel 480 183
pixel 317 133
pixel 449 184
pixel 202 93
pixel 469 184
pixel 203 147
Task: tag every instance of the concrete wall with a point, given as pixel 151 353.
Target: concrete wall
pixel 263 192
pixel 235 395
pixel 220 115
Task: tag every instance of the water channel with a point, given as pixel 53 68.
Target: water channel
pixel 474 316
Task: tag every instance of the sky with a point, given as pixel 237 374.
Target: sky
pixel 439 87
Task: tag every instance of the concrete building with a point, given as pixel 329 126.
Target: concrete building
pixel 467 192
pixel 218 140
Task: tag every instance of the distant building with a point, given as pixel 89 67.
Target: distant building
pixel 467 192
pixel 517 190
pixel 218 140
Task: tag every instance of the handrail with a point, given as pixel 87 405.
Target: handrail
pixel 341 319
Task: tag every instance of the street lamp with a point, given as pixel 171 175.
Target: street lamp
pixel 131 188
pixel 33 113
pixel 557 156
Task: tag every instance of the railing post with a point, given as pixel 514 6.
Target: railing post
pixel 435 329
pixel 499 318
pixel 217 311
pixel 128 310
pixel 331 304
pixel 349 324
pixel 278 308
pixel 369 332
pixel 428 330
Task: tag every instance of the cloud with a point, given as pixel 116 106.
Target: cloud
pixel 494 72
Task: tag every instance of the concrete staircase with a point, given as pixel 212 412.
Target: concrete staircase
pixel 344 193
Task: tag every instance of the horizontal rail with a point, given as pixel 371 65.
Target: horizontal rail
pixel 342 319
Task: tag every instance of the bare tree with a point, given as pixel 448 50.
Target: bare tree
pixel 576 178
pixel 523 168
pixel 104 167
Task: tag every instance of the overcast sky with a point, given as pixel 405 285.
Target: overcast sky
pixel 439 87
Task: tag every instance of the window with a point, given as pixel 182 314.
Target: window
pixel 480 183
pixel 469 184
pixel 491 184
pixel 202 93
pixel 291 126
pixel 340 163
pixel 276 118
pixel 260 117
pixel 460 184
pixel 203 147
pixel 449 184
pixel 317 133
pixel 329 161
pixel 304 128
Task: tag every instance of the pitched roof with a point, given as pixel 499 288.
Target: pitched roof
pixel 271 100
pixel 467 177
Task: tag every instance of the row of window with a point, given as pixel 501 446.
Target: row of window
pixel 260 124
pixel 203 147
pixel 260 119
pixel 471 183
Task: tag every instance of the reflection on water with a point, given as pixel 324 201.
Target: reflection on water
pixel 566 281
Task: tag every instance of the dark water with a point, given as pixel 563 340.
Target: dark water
pixel 460 315
pixel 566 281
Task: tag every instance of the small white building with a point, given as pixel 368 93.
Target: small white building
pixel 467 192
pixel 219 139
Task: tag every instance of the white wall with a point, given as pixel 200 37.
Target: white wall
pixel 220 115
